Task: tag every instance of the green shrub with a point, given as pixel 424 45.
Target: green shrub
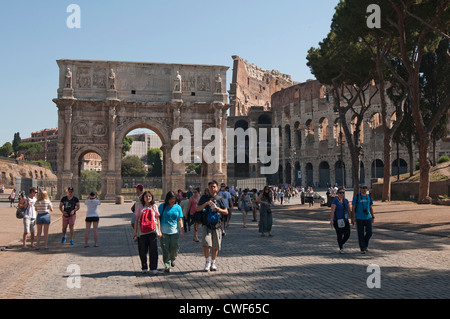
pixel 444 159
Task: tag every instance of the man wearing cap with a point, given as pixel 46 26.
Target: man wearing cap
pixel 68 206
pixel 362 211
pixel 134 208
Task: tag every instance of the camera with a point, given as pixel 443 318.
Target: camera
pixel 366 211
pixel 213 208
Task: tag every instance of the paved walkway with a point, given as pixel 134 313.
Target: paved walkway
pixel 300 261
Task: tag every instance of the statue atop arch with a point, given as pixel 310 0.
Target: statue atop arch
pixel 68 80
pixel 177 83
pixel 112 80
pixel 218 84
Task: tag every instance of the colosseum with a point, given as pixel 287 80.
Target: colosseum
pixel 313 150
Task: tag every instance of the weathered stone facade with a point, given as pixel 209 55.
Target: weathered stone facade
pixel 253 86
pixel 309 129
pixel 100 102
pixel 310 138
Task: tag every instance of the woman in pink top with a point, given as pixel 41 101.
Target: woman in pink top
pixel 192 208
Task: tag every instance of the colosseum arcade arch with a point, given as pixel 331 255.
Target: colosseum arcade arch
pixel 99 102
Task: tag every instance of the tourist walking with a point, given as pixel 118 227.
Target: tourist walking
pixel 43 208
pixel 362 209
pixel 29 218
pixel 184 208
pixel 281 192
pixel 226 196
pixel 245 206
pixel 211 205
pixel 265 213
pixel 92 218
pixel 147 230
pixel 340 209
pixel 137 202
pixel 311 196
pixel 255 206
pixel 69 206
pixel 171 216
pixel 192 210
pixel 12 197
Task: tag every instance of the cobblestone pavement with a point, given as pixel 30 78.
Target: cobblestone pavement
pixel 300 261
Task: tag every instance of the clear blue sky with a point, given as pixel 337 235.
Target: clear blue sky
pixel 33 35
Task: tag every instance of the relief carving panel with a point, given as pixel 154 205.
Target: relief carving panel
pixel 83 77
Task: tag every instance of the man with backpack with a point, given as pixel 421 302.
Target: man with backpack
pixel 363 211
pixel 211 205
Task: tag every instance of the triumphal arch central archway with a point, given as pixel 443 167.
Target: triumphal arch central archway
pixel 100 102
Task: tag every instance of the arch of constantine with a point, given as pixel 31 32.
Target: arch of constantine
pixel 100 102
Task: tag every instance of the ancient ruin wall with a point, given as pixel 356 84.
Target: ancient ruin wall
pixel 254 86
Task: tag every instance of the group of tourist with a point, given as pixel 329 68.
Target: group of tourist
pixel 359 212
pixel 180 211
pixel 37 207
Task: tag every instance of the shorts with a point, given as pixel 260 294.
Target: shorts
pixel 29 225
pixel 92 219
pixel 43 219
pixel 212 237
pixel 69 220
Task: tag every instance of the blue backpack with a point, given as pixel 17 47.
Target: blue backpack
pixel 212 218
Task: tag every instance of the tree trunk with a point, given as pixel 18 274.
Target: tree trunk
pixel 424 162
pixel 412 164
pixel 424 144
pixel 356 170
pixel 387 147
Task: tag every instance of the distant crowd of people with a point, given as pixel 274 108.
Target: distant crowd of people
pixel 209 211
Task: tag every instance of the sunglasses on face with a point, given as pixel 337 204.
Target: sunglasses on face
pixel 341 193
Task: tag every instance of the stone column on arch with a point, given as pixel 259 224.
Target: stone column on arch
pixel 217 169
pixel 173 174
pixel 65 173
pixel 111 173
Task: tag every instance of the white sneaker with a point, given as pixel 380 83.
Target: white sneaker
pixel 155 272
pixel 213 267
pixel 341 251
pixel 207 266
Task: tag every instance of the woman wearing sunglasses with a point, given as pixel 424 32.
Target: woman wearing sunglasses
pixel 340 209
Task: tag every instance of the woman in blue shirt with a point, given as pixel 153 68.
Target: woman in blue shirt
pixel 171 218
pixel 340 208
pixel 363 211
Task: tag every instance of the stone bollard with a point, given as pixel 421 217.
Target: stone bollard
pixel 119 200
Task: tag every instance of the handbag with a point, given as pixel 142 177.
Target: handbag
pixel 341 221
pixel 20 212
